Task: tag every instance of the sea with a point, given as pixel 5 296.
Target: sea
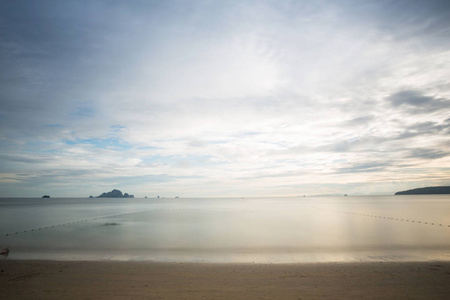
pixel 228 230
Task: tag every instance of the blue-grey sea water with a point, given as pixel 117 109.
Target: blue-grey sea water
pixel 263 230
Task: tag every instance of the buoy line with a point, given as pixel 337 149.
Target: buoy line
pixel 69 223
pixel 382 217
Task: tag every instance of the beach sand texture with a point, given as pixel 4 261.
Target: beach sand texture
pixel 22 279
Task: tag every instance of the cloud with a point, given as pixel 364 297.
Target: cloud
pixel 425 128
pixel 365 167
pixel 426 153
pixel 412 98
pixel 415 102
pixel 358 121
pixel 215 97
pixel 24 159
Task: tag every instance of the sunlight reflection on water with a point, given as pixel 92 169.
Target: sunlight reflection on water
pixel 229 230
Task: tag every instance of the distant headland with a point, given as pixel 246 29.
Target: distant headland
pixel 426 191
pixel 115 194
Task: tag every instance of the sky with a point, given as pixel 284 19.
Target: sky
pixel 223 98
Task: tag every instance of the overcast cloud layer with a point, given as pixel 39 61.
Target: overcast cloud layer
pixel 223 98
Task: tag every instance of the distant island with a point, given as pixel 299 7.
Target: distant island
pixel 115 194
pixel 426 191
pixel 46 196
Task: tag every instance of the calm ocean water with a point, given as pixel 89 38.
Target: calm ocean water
pixel 310 229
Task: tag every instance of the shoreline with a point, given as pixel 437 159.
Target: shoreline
pixel 45 279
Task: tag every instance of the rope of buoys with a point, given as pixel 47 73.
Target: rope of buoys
pixel 70 223
pixel 374 216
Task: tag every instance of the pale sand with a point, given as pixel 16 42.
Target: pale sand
pixel 146 280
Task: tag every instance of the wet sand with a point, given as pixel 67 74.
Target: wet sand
pixel 22 279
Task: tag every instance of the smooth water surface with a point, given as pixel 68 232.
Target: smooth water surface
pixel 309 229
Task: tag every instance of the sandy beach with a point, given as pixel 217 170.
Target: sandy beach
pixel 24 279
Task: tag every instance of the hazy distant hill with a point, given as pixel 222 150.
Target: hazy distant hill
pixel 426 191
pixel 115 194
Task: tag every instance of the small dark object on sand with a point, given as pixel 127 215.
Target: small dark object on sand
pixel 4 252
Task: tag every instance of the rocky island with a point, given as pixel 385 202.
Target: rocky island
pixel 115 194
pixel 426 191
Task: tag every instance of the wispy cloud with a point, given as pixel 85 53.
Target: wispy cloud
pixel 416 103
